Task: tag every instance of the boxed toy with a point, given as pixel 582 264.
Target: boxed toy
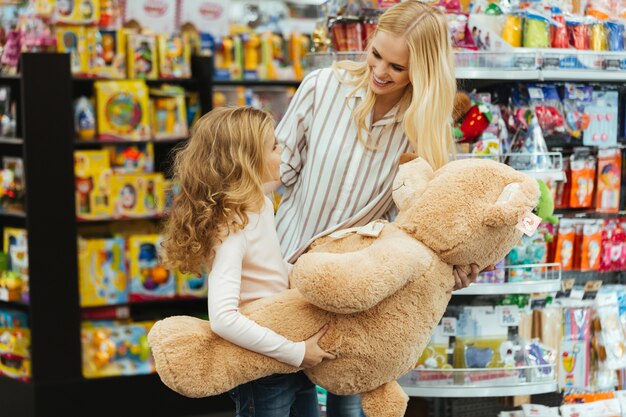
pixel 189 285
pixel 148 278
pixel 93 177
pixel 110 51
pixel 135 158
pixel 77 12
pixel 12 184
pixel 116 349
pixel 142 56
pixel 122 110
pixel 137 195
pixel 11 319
pixel 102 272
pixel 169 116
pixel 14 279
pixel 79 42
pixel 174 56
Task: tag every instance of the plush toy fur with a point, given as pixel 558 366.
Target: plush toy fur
pixel 382 297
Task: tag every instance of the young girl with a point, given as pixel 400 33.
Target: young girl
pixel 222 222
pixel 347 126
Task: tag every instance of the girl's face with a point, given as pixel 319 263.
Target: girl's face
pixel 388 59
pixel 272 152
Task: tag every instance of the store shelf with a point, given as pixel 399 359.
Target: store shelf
pixel 149 81
pixel 497 74
pixel 18 305
pixel 118 219
pixel 11 141
pixel 20 401
pixel 582 75
pixel 257 83
pixel 453 391
pixel 13 214
pixel 78 143
pixel 533 278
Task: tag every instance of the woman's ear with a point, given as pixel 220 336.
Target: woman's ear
pixel 407 157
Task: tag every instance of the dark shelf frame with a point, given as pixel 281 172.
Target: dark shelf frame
pixel 257 83
pixel 46 92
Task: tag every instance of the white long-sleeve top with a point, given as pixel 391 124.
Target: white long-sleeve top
pixel 331 180
pixel 248 265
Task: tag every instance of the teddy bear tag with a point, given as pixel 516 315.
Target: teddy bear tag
pixel 529 223
pixel 371 229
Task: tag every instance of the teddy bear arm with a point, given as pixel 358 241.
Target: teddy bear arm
pixel 356 281
pixel 388 400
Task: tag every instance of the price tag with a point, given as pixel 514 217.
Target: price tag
pixel 535 93
pixel 528 224
pixel 577 294
pixel 448 326
pixel 4 294
pixel 508 315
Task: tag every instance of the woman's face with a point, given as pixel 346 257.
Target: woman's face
pixel 388 59
pixel 272 152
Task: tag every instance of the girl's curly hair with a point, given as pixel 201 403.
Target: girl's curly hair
pixel 219 172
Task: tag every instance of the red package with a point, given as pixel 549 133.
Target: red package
pixel 578 35
pixel 354 40
pixel 558 34
pixel 613 245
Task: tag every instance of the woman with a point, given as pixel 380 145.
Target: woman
pixel 347 126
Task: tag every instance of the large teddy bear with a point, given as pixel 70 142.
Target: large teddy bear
pixel 382 296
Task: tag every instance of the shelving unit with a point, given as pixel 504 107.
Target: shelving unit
pixel 46 92
pixel 454 391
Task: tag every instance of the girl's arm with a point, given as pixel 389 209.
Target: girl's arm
pixel 225 318
pixel 293 130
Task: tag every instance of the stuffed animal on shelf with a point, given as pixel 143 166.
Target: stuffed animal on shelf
pixel 471 119
pixel 382 296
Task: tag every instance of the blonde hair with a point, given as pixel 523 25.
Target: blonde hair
pixel 428 101
pixel 220 173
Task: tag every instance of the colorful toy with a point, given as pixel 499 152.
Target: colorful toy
pixel 137 195
pixel 12 185
pixel 14 283
pixel 475 122
pixel 92 181
pixel 84 119
pixel 79 42
pixel 110 53
pixel 148 278
pixel 77 12
pixel 122 110
pixel 174 56
pixel 102 272
pixel 116 349
pixel 609 180
pixel 136 158
pixel 142 57
pixel 189 285
pixel 169 117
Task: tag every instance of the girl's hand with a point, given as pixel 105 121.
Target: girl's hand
pixel 462 280
pixel 314 354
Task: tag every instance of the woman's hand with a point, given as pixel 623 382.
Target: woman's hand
pixel 462 280
pixel 314 354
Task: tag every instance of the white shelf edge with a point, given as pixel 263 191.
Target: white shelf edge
pixel 458 391
pixel 496 74
pixel 511 288
pixel 582 75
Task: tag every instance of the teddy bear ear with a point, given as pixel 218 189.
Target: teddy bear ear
pixel 508 209
pixel 407 157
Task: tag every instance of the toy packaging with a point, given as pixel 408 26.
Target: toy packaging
pixel 169 117
pixel 15 353
pixel 77 12
pixel 142 57
pixel 122 110
pixel 93 180
pixel 174 56
pixel 116 349
pixel 79 42
pixel 84 119
pixel 102 272
pixel 609 180
pixel 583 176
pixel 110 53
pixel 11 319
pixel 564 252
pixel 156 16
pixel 189 285
pixel 137 195
pixel 12 184
pixel 148 278
pixel 14 284
pixel 135 158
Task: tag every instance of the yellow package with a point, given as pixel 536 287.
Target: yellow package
pixel 110 51
pixel 138 195
pixel 189 285
pixel 79 42
pixel 77 12
pixel 169 115
pixel 92 184
pixel 44 8
pixel 174 55
pixel 148 277
pixel 122 110
pixel 142 57
pixel 102 272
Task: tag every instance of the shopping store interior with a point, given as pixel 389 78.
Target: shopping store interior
pixel 97 96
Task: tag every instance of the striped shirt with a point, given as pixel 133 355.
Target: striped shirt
pixel 331 180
